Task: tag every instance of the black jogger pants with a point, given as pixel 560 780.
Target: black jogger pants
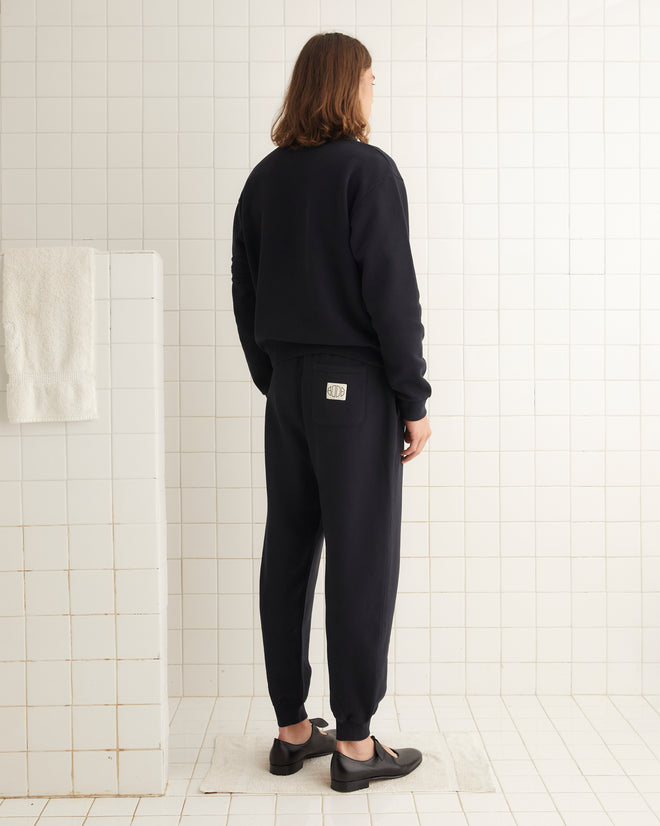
pixel 333 439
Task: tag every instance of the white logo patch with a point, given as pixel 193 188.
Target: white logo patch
pixel 335 390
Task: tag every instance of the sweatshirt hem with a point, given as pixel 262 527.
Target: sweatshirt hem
pixel 279 350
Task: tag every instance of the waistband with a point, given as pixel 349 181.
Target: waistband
pixel 281 350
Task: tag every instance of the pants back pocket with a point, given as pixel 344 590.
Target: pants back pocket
pixel 338 391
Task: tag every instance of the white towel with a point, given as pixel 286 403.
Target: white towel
pixel 48 317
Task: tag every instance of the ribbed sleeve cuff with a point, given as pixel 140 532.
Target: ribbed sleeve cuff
pixel 412 411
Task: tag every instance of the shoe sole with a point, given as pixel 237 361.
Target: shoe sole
pixel 292 768
pixel 354 785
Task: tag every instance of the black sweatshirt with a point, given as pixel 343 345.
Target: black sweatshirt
pixel 321 259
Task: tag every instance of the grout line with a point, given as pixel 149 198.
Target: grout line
pixel 571 558
pixel 429 515
pixel 142 118
pixel 606 623
pixel 21 486
pixel 71 203
pixel 195 793
pixel 480 734
pixel 653 745
pixel 117 750
pixel 600 734
pixel 36 127
pixel 535 592
pixel 65 433
pixel 640 398
pixel 182 668
pixel 216 458
pixel 502 630
pixel 463 382
pixel 535 697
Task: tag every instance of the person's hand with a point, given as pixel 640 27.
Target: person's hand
pixel 417 435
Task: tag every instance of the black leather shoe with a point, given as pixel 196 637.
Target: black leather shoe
pixel 287 758
pixel 349 775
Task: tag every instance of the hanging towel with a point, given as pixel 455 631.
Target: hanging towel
pixel 48 317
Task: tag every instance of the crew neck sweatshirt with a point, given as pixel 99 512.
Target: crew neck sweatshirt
pixel 321 261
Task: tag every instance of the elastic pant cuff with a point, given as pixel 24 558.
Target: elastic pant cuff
pixel 290 716
pixel 352 731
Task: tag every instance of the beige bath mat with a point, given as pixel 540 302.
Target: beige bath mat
pixel 452 761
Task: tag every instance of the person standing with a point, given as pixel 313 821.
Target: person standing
pixel 327 308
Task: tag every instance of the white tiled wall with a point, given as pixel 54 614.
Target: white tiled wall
pixel 83 589
pixel 526 132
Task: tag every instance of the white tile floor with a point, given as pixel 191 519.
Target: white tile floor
pixel 584 760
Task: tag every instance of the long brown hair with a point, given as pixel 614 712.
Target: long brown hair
pixel 322 102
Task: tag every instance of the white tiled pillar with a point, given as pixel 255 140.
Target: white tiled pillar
pixel 83 591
